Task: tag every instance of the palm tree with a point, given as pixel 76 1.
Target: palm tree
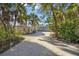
pixel 34 19
pixel 5 17
pixel 47 7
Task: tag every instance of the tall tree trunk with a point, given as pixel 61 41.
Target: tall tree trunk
pixel 33 23
pixel 14 22
pixel 14 25
pixel 56 26
pixel 4 24
pixel 3 20
pixel 63 16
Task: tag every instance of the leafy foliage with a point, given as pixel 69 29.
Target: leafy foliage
pixel 67 31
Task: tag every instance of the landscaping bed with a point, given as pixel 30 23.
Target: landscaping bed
pixel 8 43
pixel 76 44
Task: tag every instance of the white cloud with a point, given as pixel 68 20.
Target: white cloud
pixel 25 4
pixel 37 6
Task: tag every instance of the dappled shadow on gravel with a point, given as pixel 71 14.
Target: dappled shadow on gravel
pixel 71 51
pixel 53 41
pixel 62 45
pixel 26 48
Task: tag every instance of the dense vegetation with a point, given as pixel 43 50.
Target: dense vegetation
pixel 62 18
pixel 10 15
pixel 64 21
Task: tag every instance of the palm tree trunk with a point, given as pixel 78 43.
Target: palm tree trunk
pixel 14 22
pixel 56 26
pixel 63 15
pixel 13 28
pixel 4 25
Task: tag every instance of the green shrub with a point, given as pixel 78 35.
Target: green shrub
pixel 2 33
pixel 67 31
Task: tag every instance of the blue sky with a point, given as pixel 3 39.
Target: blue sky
pixel 37 12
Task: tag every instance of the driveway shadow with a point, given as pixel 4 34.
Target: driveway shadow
pixel 62 45
pixel 76 52
pixel 52 41
pixel 28 49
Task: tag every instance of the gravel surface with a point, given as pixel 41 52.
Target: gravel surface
pixel 40 44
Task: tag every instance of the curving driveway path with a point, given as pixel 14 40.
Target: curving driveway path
pixel 40 44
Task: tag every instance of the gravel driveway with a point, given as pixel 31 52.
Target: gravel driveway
pixel 40 44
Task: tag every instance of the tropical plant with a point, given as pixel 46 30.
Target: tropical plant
pixel 51 7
